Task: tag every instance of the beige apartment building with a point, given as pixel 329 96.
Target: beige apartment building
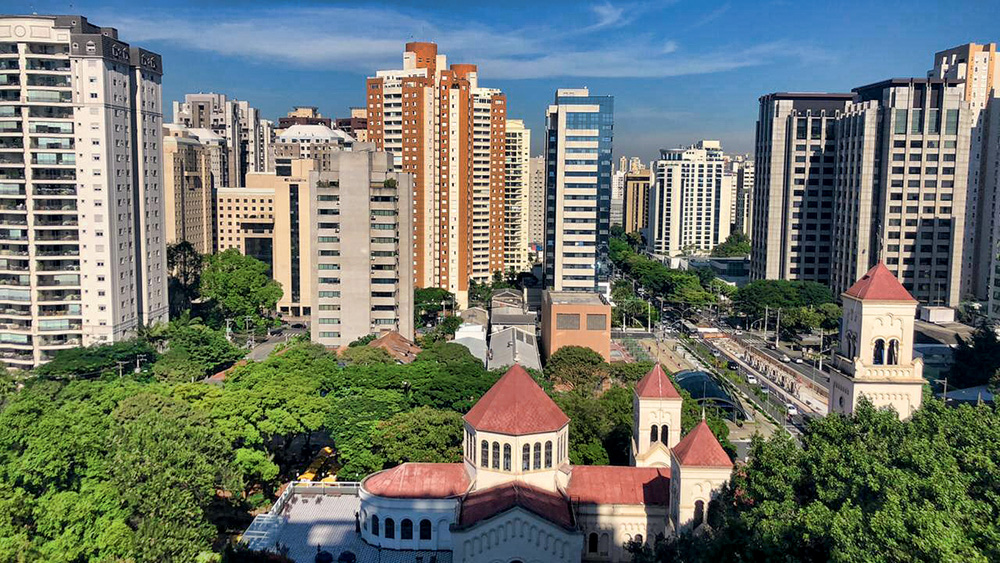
pixel 248 137
pixel 690 206
pixel 189 189
pixel 517 199
pixel 449 134
pixel 311 141
pixel 742 167
pixel 536 215
pixel 291 220
pixel 635 208
pixel 82 234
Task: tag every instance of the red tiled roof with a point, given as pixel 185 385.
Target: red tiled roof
pixel 656 385
pixel 879 284
pixel 516 405
pixel 485 504
pixel 401 349
pixel 700 448
pixel 419 480
pixel 608 484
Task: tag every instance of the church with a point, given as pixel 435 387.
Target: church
pixel 516 497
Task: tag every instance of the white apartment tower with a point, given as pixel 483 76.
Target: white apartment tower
pixel 517 199
pixel 82 242
pixel 691 202
pixel 536 219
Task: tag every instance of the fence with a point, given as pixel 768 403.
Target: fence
pixel 263 531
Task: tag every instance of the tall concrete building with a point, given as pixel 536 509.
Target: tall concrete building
pixel 742 167
pixel 578 141
pixel 302 115
pixel 517 199
pixel 902 160
pixel 82 245
pixel 978 66
pixel 346 272
pixel 536 215
pixel 248 137
pixel 618 197
pixel 795 171
pixel 636 199
pixel 188 189
pixel 356 125
pixel 690 206
pixel 449 134
pixel 317 142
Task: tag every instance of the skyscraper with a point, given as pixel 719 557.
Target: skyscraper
pixel 536 220
pixel 82 248
pixel 188 189
pixel 795 170
pixel 742 167
pixel 449 134
pixel 635 212
pixel 579 132
pixel 690 204
pixel 517 199
pixel 248 137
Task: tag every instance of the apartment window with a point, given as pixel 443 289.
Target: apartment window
pixel 597 322
pixel 568 321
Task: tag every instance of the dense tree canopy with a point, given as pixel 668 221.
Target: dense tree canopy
pixel 977 359
pixel 737 244
pixel 753 297
pixel 675 286
pixel 240 285
pixel 862 488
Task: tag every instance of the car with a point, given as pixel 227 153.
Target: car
pixel 785 358
pixel 752 379
pixel 765 390
pixel 792 409
pixel 798 360
pixel 738 332
pixel 732 364
pixel 298 325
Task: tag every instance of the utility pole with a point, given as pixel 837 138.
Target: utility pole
pixel 121 367
pixel 763 329
pixel 137 359
pixel 229 330
pixel 649 317
pixel 944 393
pixel 777 326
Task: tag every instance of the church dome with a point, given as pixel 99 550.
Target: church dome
pixel 516 405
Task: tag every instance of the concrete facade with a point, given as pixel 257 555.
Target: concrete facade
pixel 635 212
pixel 576 319
pixel 536 215
pixel 189 189
pixel 83 257
pixel 517 197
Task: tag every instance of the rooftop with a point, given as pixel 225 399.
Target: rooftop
pixel 513 346
pixel 485 504
pixel 656 385
pixel 608 484
pixel 419 480
pixel 576 298
pixel 397 345
pixel 878 284
pixel 516 405
pixel 700 448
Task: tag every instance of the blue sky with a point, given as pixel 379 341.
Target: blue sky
pixel 680 70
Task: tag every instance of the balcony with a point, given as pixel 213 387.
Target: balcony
pixel 11 158
pixel 50 127
pixel 54 143
pixel 13 234
pixel 55 280
pixel 12 219
pixel 14 340
pixel 49 112
pixel 49 80
pixel 59 340
pixel 10 95
pixel 15 280
pixel 52 236
pixel 57 265
pixel 17 174
pixel 6 264
pixel 15 310
pixel 59 325
pixel 48 65
pixel 9 64
pixel 52 190
pixel 54 220
pixel 50 174
pixel 61 250
pixel 13 250
pixel 49 96
pixel 52 205
pixel 12 205
pixel 11 143
pixel 58 295
pixel 20 326
pixel 47 49
pixel 10 126
pixel 19 295
pixel 59 311
pixel 16 356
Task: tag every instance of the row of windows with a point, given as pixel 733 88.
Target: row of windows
pixel 405 528
pixel 526 456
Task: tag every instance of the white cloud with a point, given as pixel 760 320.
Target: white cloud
pixel 364 39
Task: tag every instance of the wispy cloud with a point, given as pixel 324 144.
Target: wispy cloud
pixel 713 15
pixel 363 39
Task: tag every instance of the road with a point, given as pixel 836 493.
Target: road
pixel 264 349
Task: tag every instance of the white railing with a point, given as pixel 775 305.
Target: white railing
pixel 263 531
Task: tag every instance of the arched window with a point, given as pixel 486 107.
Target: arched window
pixel 484 454
pixel 390 528
pixel 605 542
pixel 893 358
pixel 699 513
pixel 714 517
pixel 506 457
pixel 638 539
pixel 878 357
pixel 664 433
pixel 425 529
pixel 548 454
pixel 406 529
pixel 496 455
pixel 374 525
pixel 526 457
pixel 653 434
pixel 592 543
pixel 538 456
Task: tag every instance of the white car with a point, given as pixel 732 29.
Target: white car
pixel 792 409
pixel 785 358
pixel 752 379
pixel 798 360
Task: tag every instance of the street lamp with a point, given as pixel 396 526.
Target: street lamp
pixel 944 393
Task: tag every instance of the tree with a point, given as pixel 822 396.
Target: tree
pixel 239 285
pixel 194 351
pixel 428 302
pixel 94 361
pixel 363 341
pixel 976 359
pixel 423 434
pixel 736 244
pixel 366 356
pixel 185 265
pixel 576 367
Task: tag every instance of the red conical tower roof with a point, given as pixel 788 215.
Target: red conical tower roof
pixel 516 405
pixel 700 448
pixel 656 385
pixel 879 285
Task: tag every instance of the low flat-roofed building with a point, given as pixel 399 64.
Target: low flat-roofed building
pixel 513 346
pixel 576 318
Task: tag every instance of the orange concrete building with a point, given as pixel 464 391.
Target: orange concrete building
pixel 449 134
pixel 574 318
